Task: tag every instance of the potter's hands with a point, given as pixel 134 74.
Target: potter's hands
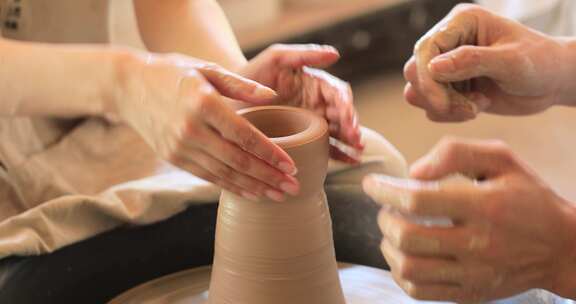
pixel 175 103
pixel 511 232
pixel 475 61
pixel 291 71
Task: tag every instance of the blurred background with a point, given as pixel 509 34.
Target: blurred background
pixel 376 37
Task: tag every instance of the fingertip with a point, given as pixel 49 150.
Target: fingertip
pixel 250 196
pixel 290 188
pixel 288 167
pixel 410 70
pixel 437 97
pixel 323 56
pixel 274 195
pixel 355 139
pixel 359 142
pixel 369 184
pixel 420 169
pixel 340 153
pixel 361 146
pixel 410 95
pixel 441 64
pixel 324 49
pixel 265 92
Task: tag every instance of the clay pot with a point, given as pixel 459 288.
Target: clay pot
pixel 282 253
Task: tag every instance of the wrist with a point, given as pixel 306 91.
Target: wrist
pixel 567 64
pixel 564 283
pixel 127 67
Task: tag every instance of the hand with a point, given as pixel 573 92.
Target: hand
pixel 475 61
pixel 175 104
pixel 288 69
pixel 510 231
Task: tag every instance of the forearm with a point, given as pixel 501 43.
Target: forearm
pixel 196 28
pixel 565 283
pixel 54 80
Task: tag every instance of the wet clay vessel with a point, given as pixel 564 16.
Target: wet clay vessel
pixel 283 253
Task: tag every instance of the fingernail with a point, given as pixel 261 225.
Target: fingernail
pixel 330 48
pixel 274 195
pixel 290 188
pixel 249 196
pixel 265 92
pixel 442 64
pixel 287 168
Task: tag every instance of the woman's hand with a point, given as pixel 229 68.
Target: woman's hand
pixel 176 104
pixel 510 231
pixel 291 71
pixel 476 61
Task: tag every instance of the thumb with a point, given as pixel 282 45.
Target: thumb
pixel 300 55
pixel 468 62
pixel 237 87
pixel 472 158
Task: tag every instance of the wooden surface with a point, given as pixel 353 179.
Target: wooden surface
pixel 298 20
pixel 546 141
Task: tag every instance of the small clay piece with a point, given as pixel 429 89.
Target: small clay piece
pixel 283 253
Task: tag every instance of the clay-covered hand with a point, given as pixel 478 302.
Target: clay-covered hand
pixel 176 104
pixel 293 71
pixel 474 61
pixel 510 231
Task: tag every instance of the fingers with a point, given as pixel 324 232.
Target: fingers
pixel 337 153
pixel 233 151
pixel 456 29
pixel 442 58
pixel 337 98
pixel 199 171
pixel 232 179
pixel 410 279
pixel 242 161
pixel 434 279
pixel 456 200
pixel 413 268
pixel 237 87
pixel 463 106
pixel 414 97
pixel 419 240
pixel 475 159
pixel 300 55
pixel 468 62
pixel 435 291
pixel 239 131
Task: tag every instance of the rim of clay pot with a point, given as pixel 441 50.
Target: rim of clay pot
pixel 313 128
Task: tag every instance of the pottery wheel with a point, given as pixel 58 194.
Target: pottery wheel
pixel 361 285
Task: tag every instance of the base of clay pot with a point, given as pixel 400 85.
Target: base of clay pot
pixel 361 285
